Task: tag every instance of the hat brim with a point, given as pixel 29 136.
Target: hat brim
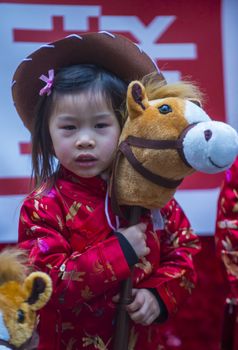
pixel 113 52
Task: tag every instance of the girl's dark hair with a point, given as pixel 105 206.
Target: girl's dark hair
pixel 77 78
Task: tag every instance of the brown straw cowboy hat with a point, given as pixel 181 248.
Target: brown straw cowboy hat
pixel 113 52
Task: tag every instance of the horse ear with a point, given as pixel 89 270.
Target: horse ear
pixel 38 286
pixel 196 101
pixel 137 100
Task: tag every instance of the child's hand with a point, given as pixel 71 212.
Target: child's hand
pixel 137 238
pixel 145 308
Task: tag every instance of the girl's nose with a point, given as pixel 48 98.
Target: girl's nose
pixel 85 142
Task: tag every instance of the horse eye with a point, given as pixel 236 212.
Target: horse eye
pixel 20 316
pixel 165 109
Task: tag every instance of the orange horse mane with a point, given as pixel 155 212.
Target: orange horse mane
pixel 184 89
pixel 12 265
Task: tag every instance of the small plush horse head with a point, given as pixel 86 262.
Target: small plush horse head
pixel 20 298
pixel 164 140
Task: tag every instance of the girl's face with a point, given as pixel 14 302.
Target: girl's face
pixel 84 132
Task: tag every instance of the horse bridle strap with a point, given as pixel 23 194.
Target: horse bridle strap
pixel 161 144
pixel 153 144
pixel 146 173
pixel 6 344
pixel 125 149
pixel 25 346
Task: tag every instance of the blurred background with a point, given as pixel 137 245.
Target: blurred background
pixel 188 39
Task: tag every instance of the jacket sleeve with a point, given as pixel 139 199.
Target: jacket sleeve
pixel 175 278
pixel 77 277
pixel 226 235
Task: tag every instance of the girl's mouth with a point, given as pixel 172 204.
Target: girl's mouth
pixel 86 160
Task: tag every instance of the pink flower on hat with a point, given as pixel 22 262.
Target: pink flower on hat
pixel 49 82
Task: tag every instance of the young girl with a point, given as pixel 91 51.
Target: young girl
pixel 227 249
pixel 67 224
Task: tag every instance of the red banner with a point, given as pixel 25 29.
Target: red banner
pixel 185 38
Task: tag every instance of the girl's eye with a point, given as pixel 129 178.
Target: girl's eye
pixel 68 127
pixel 101 125
pixel 165 109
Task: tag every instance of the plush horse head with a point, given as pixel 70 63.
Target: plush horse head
pixel 20 298
pixel 164 140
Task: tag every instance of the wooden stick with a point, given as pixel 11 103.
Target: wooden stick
pixel 122 320
pixel 229 324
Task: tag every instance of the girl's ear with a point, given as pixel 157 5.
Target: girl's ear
pixel 137 101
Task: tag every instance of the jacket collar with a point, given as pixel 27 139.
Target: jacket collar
pixel 93 185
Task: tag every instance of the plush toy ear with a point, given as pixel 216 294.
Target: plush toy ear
pixel 39 289
pixel 137 100
pixel 196 101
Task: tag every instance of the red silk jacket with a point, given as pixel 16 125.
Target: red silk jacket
pixel 226 238
pixel 227 226
pixel 68 236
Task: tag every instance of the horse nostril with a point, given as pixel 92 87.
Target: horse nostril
pixel 208 134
